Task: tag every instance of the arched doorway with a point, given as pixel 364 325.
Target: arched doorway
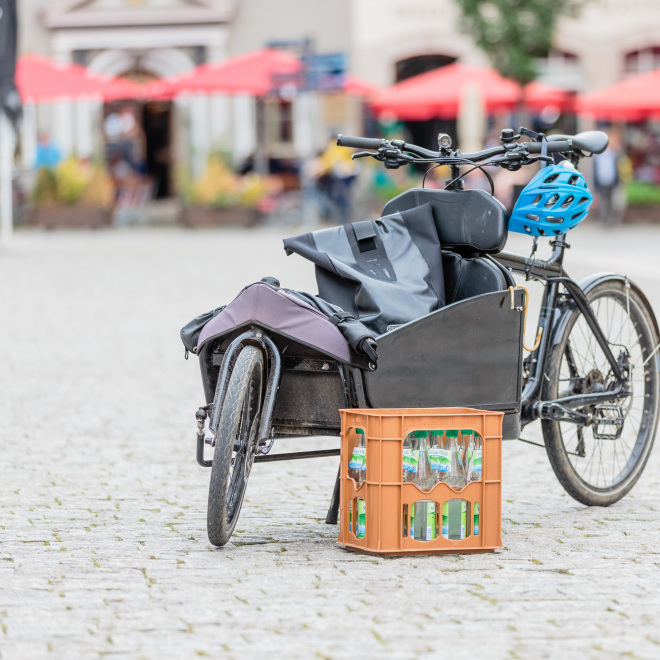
pixel 138 135
pixel 414 66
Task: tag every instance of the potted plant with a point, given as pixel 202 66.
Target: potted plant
pixel 643 202
pixel 75 194
pixel 220 197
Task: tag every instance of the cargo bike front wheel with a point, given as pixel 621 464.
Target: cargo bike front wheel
pixel 235 422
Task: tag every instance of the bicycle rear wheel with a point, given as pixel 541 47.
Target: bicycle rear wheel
pixel 598 464
pixel 235 422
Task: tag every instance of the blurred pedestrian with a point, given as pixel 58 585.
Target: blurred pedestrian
pixel 335 176
pixel 48 153
pixel 607 180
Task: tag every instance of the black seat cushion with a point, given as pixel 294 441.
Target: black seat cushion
pixel 467 220
pixel 466 277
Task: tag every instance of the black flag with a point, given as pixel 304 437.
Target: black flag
pixel 10 101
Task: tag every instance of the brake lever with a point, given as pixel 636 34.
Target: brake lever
pixel 364 154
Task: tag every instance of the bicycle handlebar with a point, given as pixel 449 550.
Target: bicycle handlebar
pixel 359 142
pixel 556 146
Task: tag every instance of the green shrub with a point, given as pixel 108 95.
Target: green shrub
pixel 640 193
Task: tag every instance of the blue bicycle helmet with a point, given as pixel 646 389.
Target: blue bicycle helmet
pixel 552 203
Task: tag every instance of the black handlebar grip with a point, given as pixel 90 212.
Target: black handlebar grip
pixel 359 142
pixel 554 147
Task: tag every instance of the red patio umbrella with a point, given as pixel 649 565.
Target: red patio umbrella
pixel 355 86
pixel 41 80
pixel 438 93
pixel 251 74
pixel 632 99
pixel 539 95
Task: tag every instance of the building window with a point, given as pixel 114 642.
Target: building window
pixel 561 69
pixel 642 61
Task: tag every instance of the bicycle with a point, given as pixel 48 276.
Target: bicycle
pixel 591 378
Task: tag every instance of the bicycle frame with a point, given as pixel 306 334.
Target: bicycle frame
pixel 551 271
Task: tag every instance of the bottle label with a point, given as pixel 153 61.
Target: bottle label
pixel 476 464
pixel 358 459
pixel 445 520
pixel 440 460
pixel 430 521
pixel 407 454
pixel 413 461
pixel 362 519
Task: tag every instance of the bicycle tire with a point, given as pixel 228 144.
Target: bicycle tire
pixel 235 421
pixel 577 360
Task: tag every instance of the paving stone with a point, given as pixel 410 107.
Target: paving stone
pixel 103 547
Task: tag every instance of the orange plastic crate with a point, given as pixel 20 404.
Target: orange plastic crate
pixel 384 493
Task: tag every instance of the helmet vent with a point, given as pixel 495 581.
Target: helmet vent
pixel 554 219
pixel 578 215
pixel 552 201
pixel 537 199
pixel 573 180
pixel 567 202
pixel 583 200
pixel 527 229
pixel 532 217
pixel 551 178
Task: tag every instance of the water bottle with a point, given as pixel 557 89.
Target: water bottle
pixel 475 465
pixel 424 525
pixel 456 519
pixel 413 465
pixel 476 518
pixel 456 477
pixel 425 477
pixel 357 466
pixel 445 520
pixel 439 457
pixel 407 455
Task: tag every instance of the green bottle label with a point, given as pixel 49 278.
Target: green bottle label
pixel 476 518
pixel 440 460
pixel 362 519
pixel 407 455
pixel 358 459
pixel 445 520
pixel 430 521
pixel 414 461
pixel 476 464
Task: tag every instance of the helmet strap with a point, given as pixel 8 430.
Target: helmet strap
pixel 544 150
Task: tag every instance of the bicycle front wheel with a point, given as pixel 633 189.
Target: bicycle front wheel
pixel 598 464
pixel 235 422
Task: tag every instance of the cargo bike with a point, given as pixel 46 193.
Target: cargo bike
pixel 419 309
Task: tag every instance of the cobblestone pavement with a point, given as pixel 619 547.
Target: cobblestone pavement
pixel 103 549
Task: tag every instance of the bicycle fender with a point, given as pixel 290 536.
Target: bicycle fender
pixel 587 284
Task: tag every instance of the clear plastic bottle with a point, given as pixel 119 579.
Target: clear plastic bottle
pixel 439 457
pixel 357 466
pixel 407 455
pixel 413 465
pixel 476 465
pixel 425 479
pixel 466 443
pixel 456 477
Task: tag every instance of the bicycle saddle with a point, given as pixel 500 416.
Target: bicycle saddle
pixel 594 142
